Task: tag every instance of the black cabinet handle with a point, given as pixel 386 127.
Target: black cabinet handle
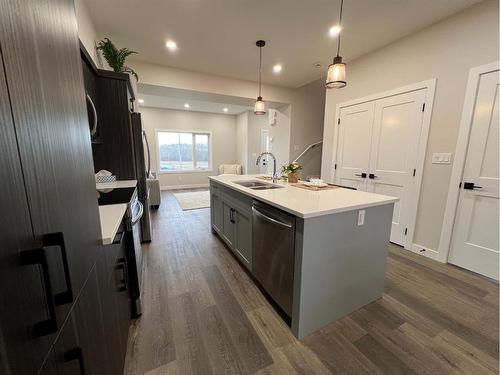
pixel 37 256
pixel 122 266
pixel 75 354
pixel 362 175
pixel 57 239
pixel 471 186
pixel 231 215
pixel 372 176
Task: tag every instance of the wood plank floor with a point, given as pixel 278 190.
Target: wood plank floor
pixel 203 315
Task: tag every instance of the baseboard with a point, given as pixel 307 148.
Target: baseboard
pixel 425 251
pixel 176 187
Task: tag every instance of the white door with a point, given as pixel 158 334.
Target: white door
pixel 265 146
pixel 396 131
pixel 475 242
pixel 354 142
pixel 377 150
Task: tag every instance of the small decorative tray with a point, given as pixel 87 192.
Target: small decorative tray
pixel 308 186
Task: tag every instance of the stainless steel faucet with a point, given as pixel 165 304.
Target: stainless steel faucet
pixel 275 176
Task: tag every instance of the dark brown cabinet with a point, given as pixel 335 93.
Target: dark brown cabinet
pixel 115 301
pixel 51 315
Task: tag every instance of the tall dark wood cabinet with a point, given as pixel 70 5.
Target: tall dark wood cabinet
pixel 22 296
pixel 50 240
pixel 113 97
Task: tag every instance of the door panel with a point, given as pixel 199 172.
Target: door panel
pixel 475 243
pixel 21 291
pixel 49 110
pixel 353 150
pixel 243 245
pixel 228 227
pixel 396 131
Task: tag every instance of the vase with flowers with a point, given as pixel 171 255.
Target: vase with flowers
pixel 291 171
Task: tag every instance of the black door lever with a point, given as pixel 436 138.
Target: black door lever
pixel 471 186
pixel 362 175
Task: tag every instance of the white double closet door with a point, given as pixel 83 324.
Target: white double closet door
pixel 378 143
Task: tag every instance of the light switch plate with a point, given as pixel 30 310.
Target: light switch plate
pixel 441 158
pixel 361 217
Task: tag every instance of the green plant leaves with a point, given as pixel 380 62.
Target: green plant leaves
pixel 116 57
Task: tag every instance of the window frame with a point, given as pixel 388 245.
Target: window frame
pixel 193 134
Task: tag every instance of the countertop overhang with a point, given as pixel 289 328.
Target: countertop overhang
pixel 111 216
pixel 306 203
pixel 116 184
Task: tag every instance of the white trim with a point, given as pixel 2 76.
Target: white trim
pixel 210 150
pixel 430 86
pixel 460 155
pixel 192 186
pixel 425 251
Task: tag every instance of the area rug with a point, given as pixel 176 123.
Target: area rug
pixel 193 200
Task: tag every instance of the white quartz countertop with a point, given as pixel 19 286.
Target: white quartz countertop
pixel 306 203
pixel 111 216
pixel 116 184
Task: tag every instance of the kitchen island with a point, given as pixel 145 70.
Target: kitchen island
pixel 337 241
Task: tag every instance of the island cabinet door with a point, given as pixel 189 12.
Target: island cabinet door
pixel 243 244
pixel 228 221
pixel 216 210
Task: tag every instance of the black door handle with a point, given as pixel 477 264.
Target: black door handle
pixel 57 239
pixel 362 175
pixel 471 186
pixel 37 256
pixel 232 211
pixel 122 266
pixel 75 354
pixel 372 176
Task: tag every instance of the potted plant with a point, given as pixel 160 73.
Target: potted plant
pixel 292 171
pixel 116 57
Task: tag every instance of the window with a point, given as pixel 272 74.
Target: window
pixel 183 151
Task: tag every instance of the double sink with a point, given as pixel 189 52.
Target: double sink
pixel 257 185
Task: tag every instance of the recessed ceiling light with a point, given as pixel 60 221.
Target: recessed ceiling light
pixel 171 45
pixel 186 105
pixel 277 68
pixel 225 109
pixel 141 101
pixel 335 30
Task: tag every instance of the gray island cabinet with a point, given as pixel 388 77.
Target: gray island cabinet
pixel 340 245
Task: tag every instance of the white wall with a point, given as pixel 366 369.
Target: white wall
pixel 308 122
pixel 242 141
pixel 86 29
pixel 280 144
pixel 446 51
pixel 223 128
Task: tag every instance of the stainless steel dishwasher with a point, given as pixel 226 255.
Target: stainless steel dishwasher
pixel 273 251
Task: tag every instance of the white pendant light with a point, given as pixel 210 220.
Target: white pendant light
pixel 336 76
pixel 260 105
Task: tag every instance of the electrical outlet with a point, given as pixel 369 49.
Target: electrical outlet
pixel 361 217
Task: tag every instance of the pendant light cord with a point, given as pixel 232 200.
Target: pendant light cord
pixel 260 70
pixel 340 25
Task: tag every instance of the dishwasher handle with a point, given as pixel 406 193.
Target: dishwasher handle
pixel 270 219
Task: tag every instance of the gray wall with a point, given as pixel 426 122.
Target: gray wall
pixel 446 51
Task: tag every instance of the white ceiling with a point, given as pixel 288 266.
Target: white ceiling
pixel 169 102
pixel 172 98
pixel 218 36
